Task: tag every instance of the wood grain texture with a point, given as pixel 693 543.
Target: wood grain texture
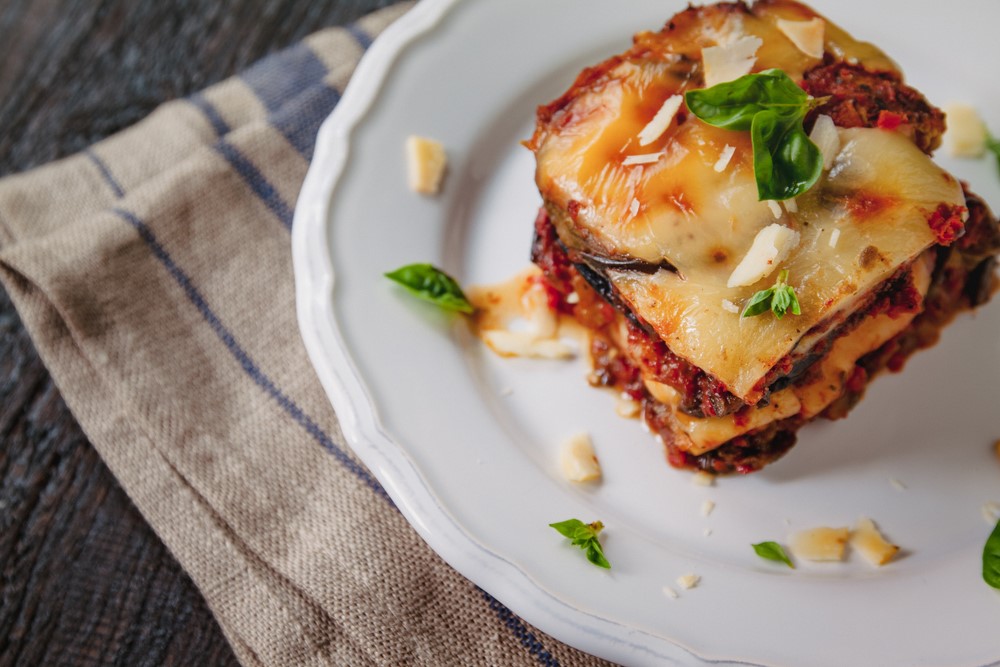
pixel 83 579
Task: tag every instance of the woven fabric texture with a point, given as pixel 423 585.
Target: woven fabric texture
pixel 153 272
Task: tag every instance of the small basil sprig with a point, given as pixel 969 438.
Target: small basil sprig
pixel 786 162
pixel 773 551
pixel 584 535
pixel 991 558
pixel 993 146
pixel 779 299
pixel 430 283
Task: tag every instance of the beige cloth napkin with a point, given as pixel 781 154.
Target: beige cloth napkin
pixel 154 274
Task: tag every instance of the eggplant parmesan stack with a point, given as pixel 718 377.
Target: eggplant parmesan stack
pixel 654 236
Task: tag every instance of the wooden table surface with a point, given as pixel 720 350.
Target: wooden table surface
pixel 83 578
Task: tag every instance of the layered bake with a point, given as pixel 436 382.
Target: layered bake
pixel 658 230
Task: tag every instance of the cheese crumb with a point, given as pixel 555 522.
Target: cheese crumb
pixel 824 134
pixel 834 238
pixel 706 532
pixel 702 478
pixel 724 158
pixel 670 593
pixel 991 512
pixel 642 158
pixel 896 484
pixel 707 507
pixel 870 543
pixel 819 544
pixel 572 298
pixel 425 161
pixel 522 344
pixel 791 205
pixel 688 581
pixel 628 408
pixel 775 209
pixel 661 121
pixel 770 247
pixel 577 459
pixel 729 306
pixel 966 135
pixel 730 61
pixel 807 36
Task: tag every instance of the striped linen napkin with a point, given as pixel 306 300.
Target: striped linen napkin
pixel 153 272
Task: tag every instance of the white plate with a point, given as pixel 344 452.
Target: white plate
pixel 466 443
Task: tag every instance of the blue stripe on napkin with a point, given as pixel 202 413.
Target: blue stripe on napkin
pixel 283 75
pixel 256 181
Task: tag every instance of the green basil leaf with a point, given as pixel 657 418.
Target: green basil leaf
pixel 569 527
pixel 773 551
pixel 786 162
pixel 432 284
pixel 733 105
pixel 772 107
pixel 584 535
pixel 993 146
pixel 595 554
pixel 795 307
pixel 780 302
pixel 991 558
pixel 759 303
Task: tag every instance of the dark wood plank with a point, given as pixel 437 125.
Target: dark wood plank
pixel 83 579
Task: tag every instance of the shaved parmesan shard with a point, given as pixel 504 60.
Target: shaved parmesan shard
pixel 966 135
pixel 702 478
pixel 819 544
pixel 775 209
pixel 834 238
pixel 643 158
pixel 661 121
pixel 425 163
pixel 824 135
pixel 670 593
pixel 770 247
pixel 577 459
pixel 791 205
pixel 523 344
pixel 688 581
pixel 730 61
pixel 807 36
pixel 729 306
pixel 868 541
pixel 707 507
pixel 724 158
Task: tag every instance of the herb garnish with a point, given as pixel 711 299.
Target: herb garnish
pixel 773 551
pixel 991 558
pixel 993 146
pixel 779 299
pixel 432 284
pixel 584 535
pixel 786 162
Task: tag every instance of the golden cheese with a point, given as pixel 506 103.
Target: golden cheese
pixel 678 209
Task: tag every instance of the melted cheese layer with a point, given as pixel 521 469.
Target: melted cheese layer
pixel 675 207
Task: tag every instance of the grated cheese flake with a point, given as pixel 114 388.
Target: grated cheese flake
pixel 577 459
pixel 869 542
pixel 730 61
pixel 661 121
pixel 670 593
pixel 807 36
pixel 791 205
pixel 707 507
pixel 966 135
pixel 991 512
pixel 834 238
pixel 819 544
pixel 729 306
pixel 642 158
pixel 572 298
pixel 824 134
pixel 688 581
pixel 425 164
pixel 896 484
pixel 702 478
pixel 633 208
pixel 725 157
pixel 522 344
pixel 770 247
pixel 775 209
